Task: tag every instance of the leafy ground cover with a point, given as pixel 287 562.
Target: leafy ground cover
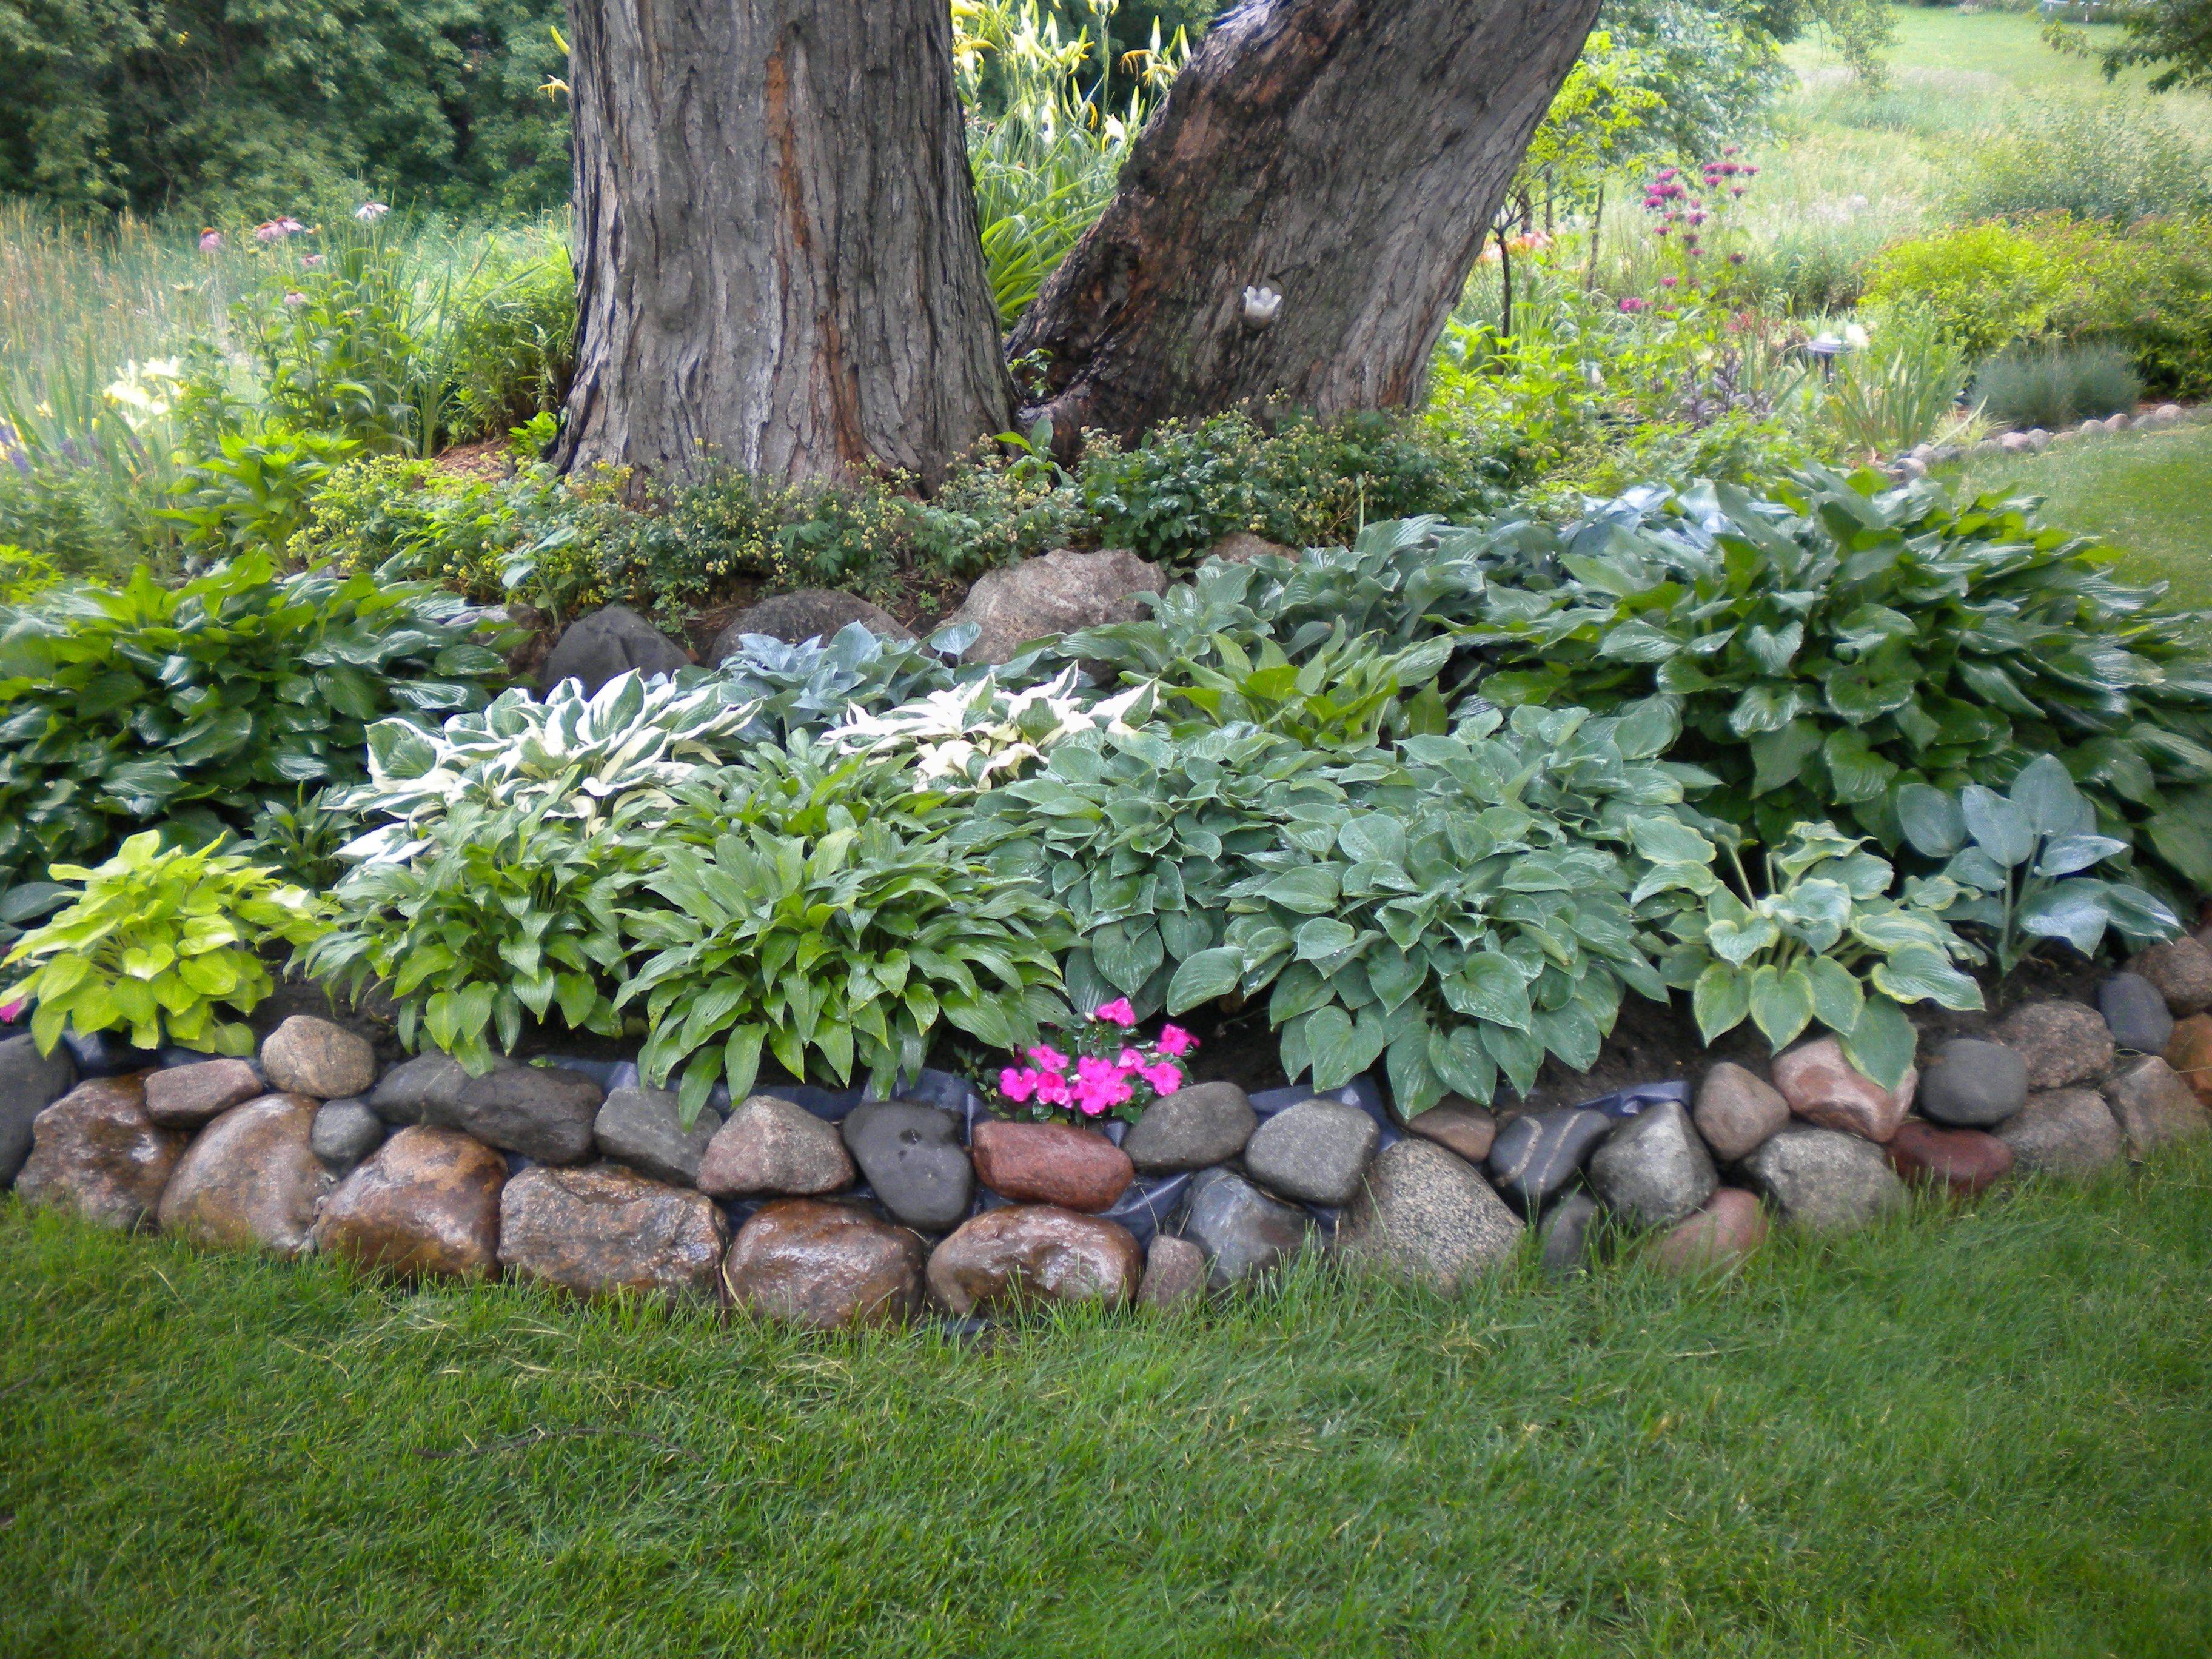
pixel 1986 1434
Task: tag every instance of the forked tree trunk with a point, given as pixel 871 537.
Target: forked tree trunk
pixel 779 264
pixel 1347 154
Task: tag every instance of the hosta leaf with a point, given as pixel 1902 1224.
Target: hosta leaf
pixel 1922 972
pixel 1202 978
pixel 1781 1003
pixel 1721 999
pixel 1999 828
pixel 1882 1043
pixel 2066 856
pixel 1856 772
pixel 2044 791
pixel 1930 820
pixel 2076 911
pixel 1838 997
pixel 1778 757
pixel 1489 987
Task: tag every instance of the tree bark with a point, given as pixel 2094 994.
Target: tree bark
pixel 779 265
pixel 1347 154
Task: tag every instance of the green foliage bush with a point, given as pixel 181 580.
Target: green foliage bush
pixel 1831 644
pixel 2117 162
pixel 159 943
pixel 188 707
pixel 254 493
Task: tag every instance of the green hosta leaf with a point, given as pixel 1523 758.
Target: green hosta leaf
pixel 1721 999
pixel 1203 977
pixel 1781 1003
pixel 1881 1045
pixel 1489 987
pixel 2001 829
pixel 2068 855
pixel 1773 649
pixel 1766 709
pixel 1737 943
pixel 1930 820
pixel 1859 696
pixel 2076 911
pixel 1310 890
pixel 1779 756
pixel 1856 772
pixel 1837 998
pixel 2045 791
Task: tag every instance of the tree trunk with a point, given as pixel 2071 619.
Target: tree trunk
pixel 779 262
pixel 1347 154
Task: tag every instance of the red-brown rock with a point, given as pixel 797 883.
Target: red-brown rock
pixel 1050 1164
pixel 1459 1126
pixel 829 1266
pixel 251 1180
pixel 1738 1111
pixel 1967 1161
pixel 1036 1253
pixel 1728 1226
pixel 602 1229
pixel 185 1096
pixel 1823 1087
pixel 425 1204
pixel 95 1152
pixel 2189 1054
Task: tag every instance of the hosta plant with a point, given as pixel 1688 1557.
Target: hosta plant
pixel 161 944
pixel 1834 643
pixel 1099 1068
pixel 806 688
pixel 491 913
pixel 125 709
pixel 1468 913
pixel 1816 936
pixel 844 951
pixel 1345 696
pixel 2027 862
pixel 983 734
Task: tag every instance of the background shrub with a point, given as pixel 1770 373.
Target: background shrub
pixel 2115 162
pixel 2057 385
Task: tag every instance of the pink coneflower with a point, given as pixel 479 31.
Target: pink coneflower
pixel 369 212
pixel 1633 305
pixel 295 298
pixel 210 241
pixel 313 261
pixel 1666 282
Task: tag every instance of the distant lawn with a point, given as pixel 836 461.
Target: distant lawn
pixel 1986 1434
pixel 2148 492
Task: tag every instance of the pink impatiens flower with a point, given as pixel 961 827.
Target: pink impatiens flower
pixel 1051 1088
pixel 13 1012
pixel 1175 1042
pixel 1116 1013
pixel 1164 1077
pixel 1050 1058
pixel 1128 1060
pixel 1017 1086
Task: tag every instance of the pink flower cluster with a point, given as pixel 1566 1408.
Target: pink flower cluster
pixel 1094 1084
pixel 275 230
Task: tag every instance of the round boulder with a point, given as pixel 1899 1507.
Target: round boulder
pixel 187 1097
pixel 1037 1253
pixel 644 1128
pixel 826 1266
pixel 1050 1164
pixel 1425 1215
pixel 1962 1161
pixel 604 1229
pixel 2156 1108
pixel 29 1083
pixel 309 1056
pixel 810 613
pixel 1824 1180
pixel 544 1112
pixel 607 644
pixel 2062 1043
pixel 1057 593
pixel 1192 1128
pixel 1538 1153
pixel 425 1204
pixel 2181 968
pixel 1737 1109
pixel 769 1144
pixel 1825 1089
pixel 1974 1084
pixel 251 1180
pixel 2136 1011
pixel 911 1155
pixel 1314 1151
pixel 1653 1169
pixel 2189 1054
pixel 1241 1232
pixel 1175 1273
pixel 1460 1125
pixel 95 1152
pixel 1728 1227
pixel 2069 1132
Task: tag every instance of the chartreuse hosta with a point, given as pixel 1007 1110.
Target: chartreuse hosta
pixel 1816 936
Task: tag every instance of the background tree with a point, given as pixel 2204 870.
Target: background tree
pixel 2174 37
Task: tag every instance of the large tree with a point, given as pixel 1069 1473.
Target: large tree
pixel 780 257
pixel 779 264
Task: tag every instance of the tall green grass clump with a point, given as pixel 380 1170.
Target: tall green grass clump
pixel 2054 386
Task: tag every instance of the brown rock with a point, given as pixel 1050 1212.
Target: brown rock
pixel 1822 1087
pixel 185 1096
pixel 2063 1132
pixel 251 1180
pixel 1964 1160
pixel 1241 547
pixel 810 613
pixel 829 1266
pixel 2062 1043
pixel 426 1203
pixel 1175 1273
pixel 95 1152
pixel 2156 1108
pixel 1035 1252
pixel 604 1228
pixel 1461 1127
pixel 1737 1109
pixel 2189 1054
pixel 1056 592
pixel 1050 1164
pixel 309 1056
pixel 2182 970
pixel 1728 1227
pixel 773 1145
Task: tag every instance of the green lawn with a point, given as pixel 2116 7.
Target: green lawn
pixel 1981 1433
pixel 2149 492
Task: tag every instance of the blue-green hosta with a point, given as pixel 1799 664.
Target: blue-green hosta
pixel 2025 862
pixel 161 944
pixel 1461 913
pixel 1817 936
pixel 1834 644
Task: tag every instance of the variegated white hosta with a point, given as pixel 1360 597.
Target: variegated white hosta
pixel 569 755
pixel 978 735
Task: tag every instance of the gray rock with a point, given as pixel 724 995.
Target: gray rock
pixel 1824 1180
pixel 1192 1128
pixel 811 613
pixel 1056 593
pixel 910 1154
pixel 346 1132
pixel 641 1127
pixel 2156 1108
pixel 2063 1132
pixel 187 1097
pixel 1737 1109
pixel 1653 1168
pixel 1243 1232
pixel 2062 1043
pixel 1425 1215
pixel 541 1111
pixel 415 1089
pixel 1563 1237
pixel 608 644
pixel 772 1146
pixel 2136 1011
pixel 2181 968
pixel 29 1083
pixel 314 1057
pixel 1538 1153
pixel 1314 1151
pixel 1974 1084
pixel 1241 547
pixel 1175 1273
